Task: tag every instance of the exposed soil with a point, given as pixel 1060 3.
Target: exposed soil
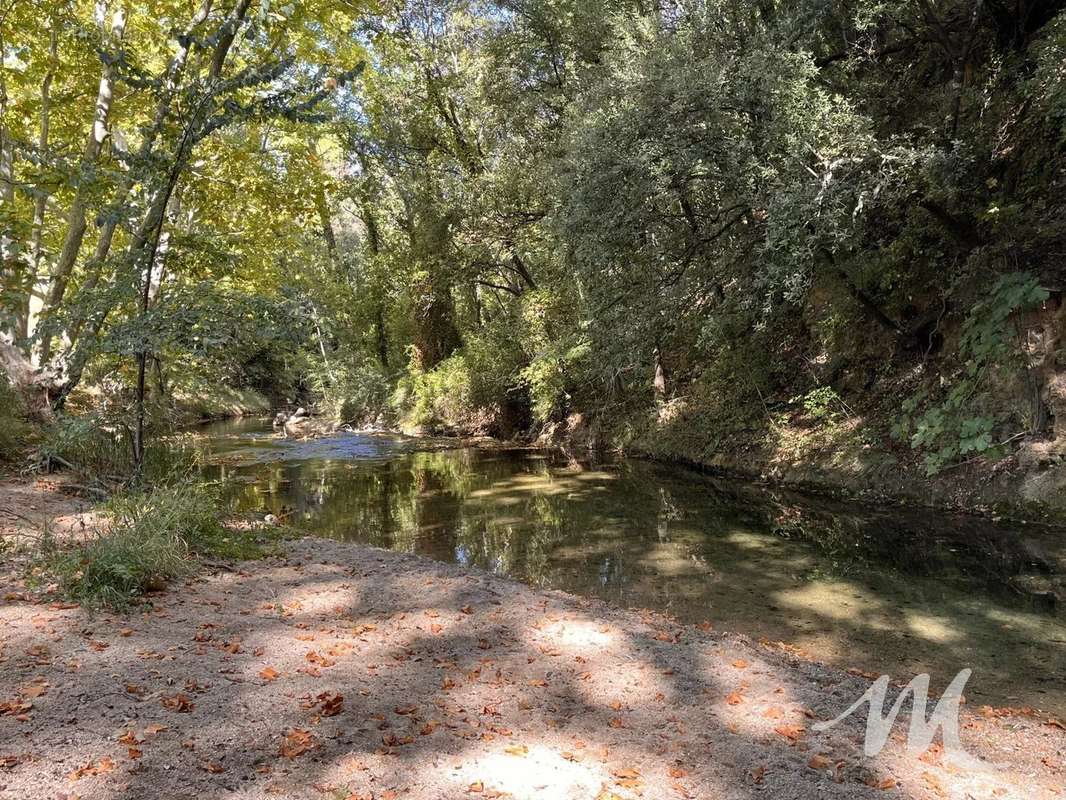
pixel 30 508
pixel 339 671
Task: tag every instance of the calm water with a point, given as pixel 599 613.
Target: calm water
pixel 882 590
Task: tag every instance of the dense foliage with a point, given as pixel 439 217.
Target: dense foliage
pixel 713 215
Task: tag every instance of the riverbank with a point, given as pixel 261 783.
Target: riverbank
pixel 839 458
pixel 336 670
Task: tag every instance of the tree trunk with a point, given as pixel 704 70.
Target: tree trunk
pixel 8 254
pixel 76 222
pixel 107 233
pixel 40 203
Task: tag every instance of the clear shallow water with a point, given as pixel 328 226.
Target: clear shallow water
pixel 884 590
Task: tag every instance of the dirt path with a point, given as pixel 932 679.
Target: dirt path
pixel 343 672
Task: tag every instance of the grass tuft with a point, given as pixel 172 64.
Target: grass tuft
pixel 153 538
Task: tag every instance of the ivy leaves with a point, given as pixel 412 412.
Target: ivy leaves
pixel 963 424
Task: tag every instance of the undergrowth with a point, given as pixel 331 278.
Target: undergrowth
pixel 153 537
pixel 14 430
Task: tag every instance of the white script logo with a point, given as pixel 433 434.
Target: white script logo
pixel 945 715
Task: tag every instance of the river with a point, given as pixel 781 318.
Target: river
pixel 877 589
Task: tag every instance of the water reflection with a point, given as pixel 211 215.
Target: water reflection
pixel 884 590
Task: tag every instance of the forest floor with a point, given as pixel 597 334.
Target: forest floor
pixel 337 671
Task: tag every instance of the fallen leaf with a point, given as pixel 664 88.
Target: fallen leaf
pixel 330 705
pixel 818 762
pixel 35 689
pixel 883 784
pixel 101 767
pixel 792 732
pixel 296 743
pixel 517 750
pixel 269 674
pixel 178 702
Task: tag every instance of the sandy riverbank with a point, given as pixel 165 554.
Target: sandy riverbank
pixel 339 671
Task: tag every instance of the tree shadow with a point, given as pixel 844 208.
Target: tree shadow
pixel 451 681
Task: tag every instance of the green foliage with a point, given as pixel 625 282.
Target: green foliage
pixel 87 443
pixel 356 392
pixel 14 430
pixel 152 538
pixel 822 403
pixel 523 210
pixel 957 426
pixel 444 398
pixel 99 449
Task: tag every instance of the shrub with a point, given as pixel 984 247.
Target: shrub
pixel 443 397
pixel 963 423
pixel 151 540
pixel 100 450
pixel 14 430
pixel 352 392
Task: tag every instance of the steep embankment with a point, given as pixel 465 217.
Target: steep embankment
pixel 842 442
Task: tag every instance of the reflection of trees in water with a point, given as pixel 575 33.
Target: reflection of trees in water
pixel 566 526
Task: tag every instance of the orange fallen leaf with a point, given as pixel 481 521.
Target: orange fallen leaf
pixel 884 784
pixel 35 689
pixel 101 767
pixel 735 698
pixel 818 762
pixel 793 732
pixel 178 702
pixel 321 661
pixel 740 663
pixel 297 742
pixel 269 674
pixel 331 705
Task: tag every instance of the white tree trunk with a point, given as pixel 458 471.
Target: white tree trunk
pixel 76 222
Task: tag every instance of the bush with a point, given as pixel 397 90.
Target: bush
pixel 152 539
pixel 14 430
pixel 100 450
pixel 964 421
pixel 352 392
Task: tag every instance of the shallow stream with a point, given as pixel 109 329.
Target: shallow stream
pixel 879 589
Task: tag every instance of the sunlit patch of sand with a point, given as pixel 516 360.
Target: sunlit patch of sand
pixel 540 773
pixel 837 599
pixel 579 635
pixel 934 629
